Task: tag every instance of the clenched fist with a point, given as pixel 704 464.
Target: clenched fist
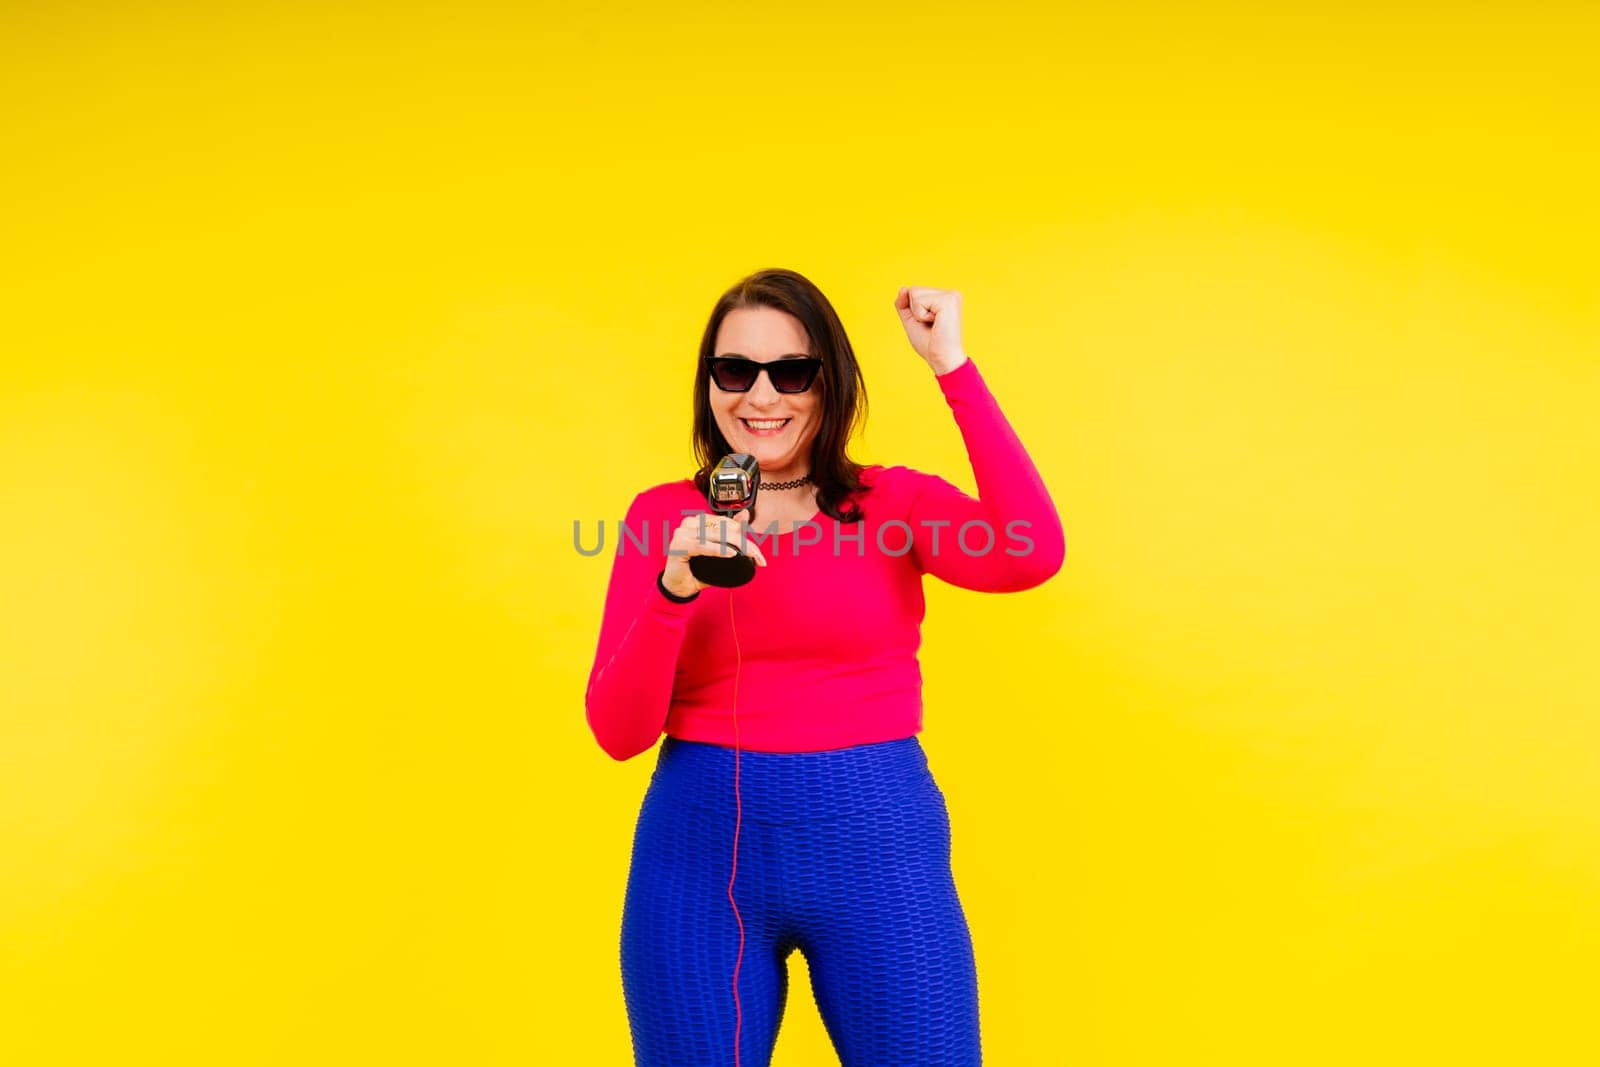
pixel 932 318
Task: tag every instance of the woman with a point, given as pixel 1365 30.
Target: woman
pixel 791 805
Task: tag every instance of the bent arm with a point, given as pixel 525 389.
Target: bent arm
pixel 1013 513
pixel 641 632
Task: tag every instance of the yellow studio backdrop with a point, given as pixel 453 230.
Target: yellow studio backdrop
pixel 320 327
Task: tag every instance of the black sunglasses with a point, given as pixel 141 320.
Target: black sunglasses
pixel 786 375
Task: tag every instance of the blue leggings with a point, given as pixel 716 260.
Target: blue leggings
pixel 844 855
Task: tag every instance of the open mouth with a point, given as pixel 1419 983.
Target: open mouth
pixel 764 427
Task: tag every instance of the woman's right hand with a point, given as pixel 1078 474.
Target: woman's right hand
pixel 706 534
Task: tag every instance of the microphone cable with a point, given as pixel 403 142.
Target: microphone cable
pixel 738 809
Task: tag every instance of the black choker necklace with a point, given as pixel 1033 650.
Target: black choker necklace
pixel 793 483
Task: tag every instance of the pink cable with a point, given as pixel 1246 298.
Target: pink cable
pixel 738 1015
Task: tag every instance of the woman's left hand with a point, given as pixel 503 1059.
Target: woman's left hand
pixel 932 318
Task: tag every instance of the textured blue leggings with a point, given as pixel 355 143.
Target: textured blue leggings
pixel 844 855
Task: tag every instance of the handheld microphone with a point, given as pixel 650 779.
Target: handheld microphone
pixel 732 488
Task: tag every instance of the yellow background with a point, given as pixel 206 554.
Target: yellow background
pixel 322 323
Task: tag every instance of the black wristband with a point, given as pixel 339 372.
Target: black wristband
pixel 669 594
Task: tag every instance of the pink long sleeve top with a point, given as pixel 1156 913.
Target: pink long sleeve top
pixel 825 637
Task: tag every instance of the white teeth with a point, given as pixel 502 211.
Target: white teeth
pixel 765 424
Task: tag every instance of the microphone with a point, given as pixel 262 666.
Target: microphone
pixel 732 488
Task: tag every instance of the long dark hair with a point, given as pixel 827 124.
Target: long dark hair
pixel 844 393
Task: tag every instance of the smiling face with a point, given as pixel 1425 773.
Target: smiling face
pixel 776 428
